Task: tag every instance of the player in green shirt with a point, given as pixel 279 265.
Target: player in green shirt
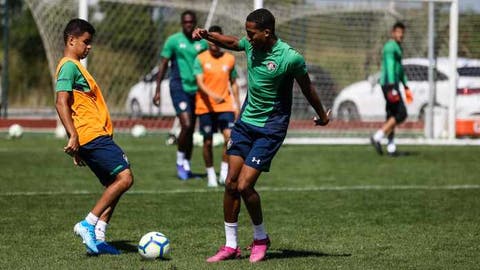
pixel 272 66
pixel 391 76
pixel 182 50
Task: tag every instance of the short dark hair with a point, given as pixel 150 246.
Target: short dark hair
pixel 76 28
pixel 188 12
pixel 398 25
pixel 263 18
pixel 215 28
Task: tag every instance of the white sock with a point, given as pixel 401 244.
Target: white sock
pixel 91 219
pixel 100 230
pixel 180 158
pixel 186 165
pixel 259 232
pixel 223 169
pixel 378 136
pixel 231 234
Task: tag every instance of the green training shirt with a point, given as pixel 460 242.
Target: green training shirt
pixel 70 77
pixel 270 82
pixel 392 69
pixel 182 53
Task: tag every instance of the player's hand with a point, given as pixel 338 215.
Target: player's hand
pixel 72 146
pixel 78 161
pixel 408 95
pixel 323 122
pixel 156 99
pixel 199 33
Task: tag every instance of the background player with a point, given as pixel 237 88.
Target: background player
pixel 181 50
pixel 84 114
pixel 272 65
pixel 215 72
pixel 392 75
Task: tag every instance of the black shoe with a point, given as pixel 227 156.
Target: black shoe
pixel 376 145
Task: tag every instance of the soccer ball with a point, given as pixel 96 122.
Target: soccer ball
pixel 15 131
pixel 138 131
pixel 154 245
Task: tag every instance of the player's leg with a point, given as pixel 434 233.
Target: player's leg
pixel 231 210
pixel 110 165
pixel 226 121
pixel 101 230
pixel 400 114
pixel 207 128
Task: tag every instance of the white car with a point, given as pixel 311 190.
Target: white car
pixel 364 100
pixel 139 101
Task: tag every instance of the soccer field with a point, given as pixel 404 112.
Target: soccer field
pixel 325 207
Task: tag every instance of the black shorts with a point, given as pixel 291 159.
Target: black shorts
pixel 395 107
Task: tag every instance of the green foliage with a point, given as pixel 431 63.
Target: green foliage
pixel 42 195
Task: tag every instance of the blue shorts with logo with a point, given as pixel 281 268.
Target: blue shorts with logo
pixel 214 121
pixel 256 145
pixel 181 100
pixel 104 158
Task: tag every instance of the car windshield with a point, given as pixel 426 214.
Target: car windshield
pixel 469 71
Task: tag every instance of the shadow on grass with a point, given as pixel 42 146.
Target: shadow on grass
pixel 288 253
pixel 125 246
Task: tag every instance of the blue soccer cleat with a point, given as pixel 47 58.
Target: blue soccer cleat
pixel 87 233
pixel 105 248
pixel 182 173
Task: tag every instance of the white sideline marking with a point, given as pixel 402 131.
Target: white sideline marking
pixel 265 189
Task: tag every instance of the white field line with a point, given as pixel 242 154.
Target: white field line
pixel 262 189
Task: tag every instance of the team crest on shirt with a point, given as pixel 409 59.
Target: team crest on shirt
pixel 182 45
pixel 225 68
pixel 208 65
pixel 198 47
pixel 271 66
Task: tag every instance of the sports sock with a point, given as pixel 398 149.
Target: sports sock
pixel 91 219
pixel 223 169
pixel 100 230
pixel 186 165
pixel 259 232
pixel 378 136
pixel 231 234
pixel 180 158
pixel 211 172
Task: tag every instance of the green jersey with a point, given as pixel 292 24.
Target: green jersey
pixel 392 69
pixel 270 82
pixel 182 52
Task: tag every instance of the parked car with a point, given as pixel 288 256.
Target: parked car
pixel 364 100
pixel 139 100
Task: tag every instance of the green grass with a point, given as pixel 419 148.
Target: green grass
pixel 315 227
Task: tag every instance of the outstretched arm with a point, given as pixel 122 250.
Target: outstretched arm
pixel 308 91
pixel 227 42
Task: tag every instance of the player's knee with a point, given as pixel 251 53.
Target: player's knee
pixel 231 188
pixel 125 179
pixel 245 189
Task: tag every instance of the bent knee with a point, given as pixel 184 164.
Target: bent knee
pixel 125 178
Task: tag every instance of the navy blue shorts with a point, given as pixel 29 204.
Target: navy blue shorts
pixel 182 101
pixel 212 122
pixel 256 145
pixel 104 158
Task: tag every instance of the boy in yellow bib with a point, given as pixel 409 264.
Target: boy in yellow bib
pixel 84 114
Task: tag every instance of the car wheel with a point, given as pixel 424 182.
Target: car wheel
pixel 347 111
pixel 135 109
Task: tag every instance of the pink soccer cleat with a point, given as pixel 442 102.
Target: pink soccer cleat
pixel 225 253
pixel 259 249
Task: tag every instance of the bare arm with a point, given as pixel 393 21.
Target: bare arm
pixel 224 41
pixel 204 89
pixel 162 69
pixel 65 113
pixel 309 92
pixel 236 97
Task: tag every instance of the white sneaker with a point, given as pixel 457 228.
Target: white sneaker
pixel 212 180
pixel 221 179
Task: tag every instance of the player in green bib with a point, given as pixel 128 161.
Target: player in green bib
pixel 272 66
pixel 181 50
